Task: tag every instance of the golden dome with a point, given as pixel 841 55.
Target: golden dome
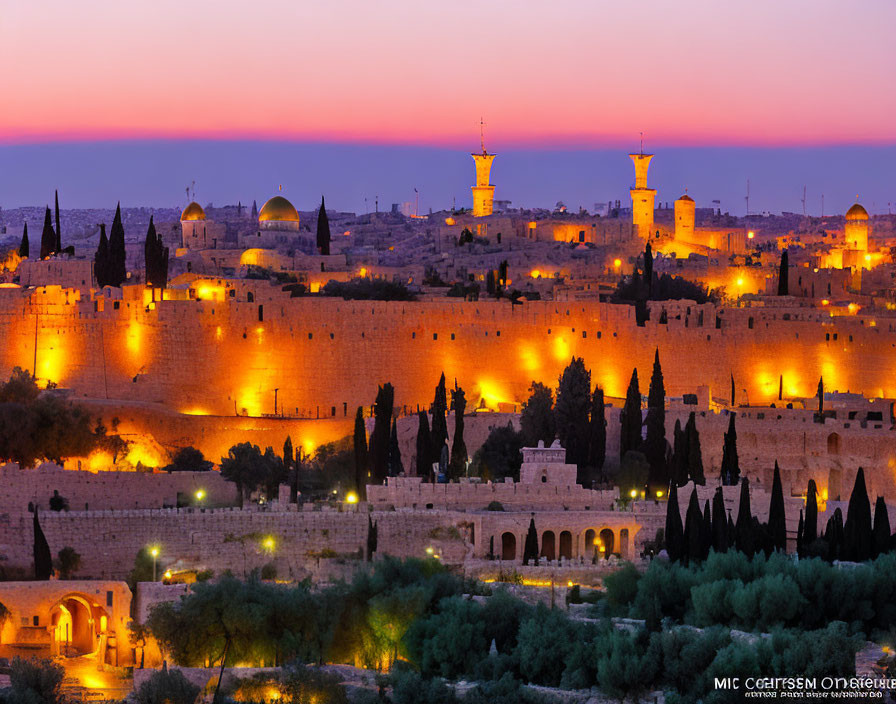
pixel 278 209
pixel 193 211
pixel 856 212
pixel 686 197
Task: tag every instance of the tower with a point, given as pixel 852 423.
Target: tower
pixel 855 231
pixel 685 217
pixel 483 191
pixel 642 196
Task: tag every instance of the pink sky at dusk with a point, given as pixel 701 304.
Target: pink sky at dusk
pixel 580 72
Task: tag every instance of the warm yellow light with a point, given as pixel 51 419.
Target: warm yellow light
pixel 167 574
pixel 531 224
pixel 852 307
pixel 867 257
pixel 569 583
pixel 633 493
pixel 751 235
pixel 200 494
pixel 617 263
pixel 154 551
pixel 429 551
pixel 269 544
pixel 603 548
pixel 824 494
pixel 659 494
pixel 825 302
pixel 535 274
pixel 450 221
pixel 351 498
pixel 740 282
pixel 363 271
pixel 597 541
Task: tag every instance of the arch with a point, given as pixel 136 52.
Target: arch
pixel 624 546
pixel 77 624
pixel 589 546
pixel 508 546
pixel 833 444
pixel 548 545
pixel 607 542
pixel 566 544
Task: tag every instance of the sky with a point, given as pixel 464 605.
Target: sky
pixel 106 82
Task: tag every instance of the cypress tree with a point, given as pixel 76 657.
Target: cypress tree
pixel 881 531
pixel 674 532
pixel 857 530
pixel 648 268
pixel 630 418
pixel 439 422
pixel 24 247
pixel 424 446
pixel 43 558
pixel 800 545
pixel 810 528
pixel 706 530
pixel 47 237
pixel 730 464
pixel 156 256
pixel 679 469
pixel 372 537
pixel 101 260
pixel 783 277
pixel 537 417
pixel 693 528
pixel 781 387
pixel 597 435
pixel 58 245
pixel 117 255
pixel 655 442
pixel 530 547
pixel 457 467
pixel 379 438
pixel 744 536
pixel 362 461
pixel 820 394
pixel 396 468
pixel 719 522
pixel 777 523
pixel 732 532
pixel 833 535
pixel 694 453
pixel 323 230
pixel 292 471
pixel 571 412
pixel 254 210
pixel 732 390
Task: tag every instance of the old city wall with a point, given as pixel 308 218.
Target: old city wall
pixel 325 357
pixel 107 489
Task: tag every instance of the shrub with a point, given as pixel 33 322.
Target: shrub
pixel 269 571
pixel 495 506
pixel 68 562
pixel 309 685
pixel 622 587
pixel 34 681
pixel 167 687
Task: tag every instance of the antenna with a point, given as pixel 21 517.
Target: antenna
pixel 748 197
pixel 642 143
pixel 482 135
pixel 804 201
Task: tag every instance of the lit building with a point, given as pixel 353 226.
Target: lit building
pixel 197 231
pixel 642 197
pixel 855 231
pixel 279 228
pixel 483 191
pixel 685 218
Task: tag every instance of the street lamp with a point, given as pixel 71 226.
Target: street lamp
pixel 200 495
pixel 154 551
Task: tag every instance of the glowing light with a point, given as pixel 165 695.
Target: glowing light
pixel 363 272
pixel 219 333
pixel 450 221
pixel 740 282
pixel 659 494
pixel 154 551
pixel 200 494
pixel 429 551
pixel 561 349
pixel 825 302
pixel 852 307
pixel 824 494
pixel 633 493
pixel 569 584
pixel 617 263
pixel 532 225
pixel 167 574
pixel 99 460
pixel 536 274
pixel 269 543
pixel 751 235
pixel 195 412
pixel 867 257
pixel 491 394
pixel 315 287
pixel 351 498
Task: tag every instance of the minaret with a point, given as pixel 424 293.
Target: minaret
pixel 642 196
pixel 483 191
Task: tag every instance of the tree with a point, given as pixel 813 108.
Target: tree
pixel 47 237
pixel 833 535
pixel 743 528
pixel 537 416
pixel 424 446
pixel 291 469
pixel 693 529
pixel 597 435
pixel 101 269
pixel 244 466
pixel 880 533
pixel 362 462
pixel 783 276
pixel 167 687
pixel 706 531
pixel 68 561
pixel 679 468
pixel 323 230
pixel 719 522
pixel 810 527
pixel 499 456
pixel 24 247
pixel 396 468
pixel 58 226
pixel 530 547
pixel 777 523
pixel 655 442
pixel 273 473
pixel 439 422
pixel 857 529
pixel 379 438
pixel 732 390
pixel 572 409
pixel 820 394
pixel 695 454
pixel 117 255
pixel 730 464
pixel 188 459
pixel 156 258
pixel 648 268
pixel 630 418
pixel 43 559
pixel 674 532
pixel 458 465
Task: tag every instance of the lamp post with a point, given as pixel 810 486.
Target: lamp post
pixel 154 551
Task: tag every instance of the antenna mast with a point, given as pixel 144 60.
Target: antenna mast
pixel 804 201
pixel 482 135
pixel 748 197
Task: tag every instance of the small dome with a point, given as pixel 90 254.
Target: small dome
pixel 278 209
pixel 687 198
pixel 193 211
pixel 856 212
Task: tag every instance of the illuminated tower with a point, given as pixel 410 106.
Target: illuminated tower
pixel 685 217
pixel 642 196
pixel 855 231
pixel 483 191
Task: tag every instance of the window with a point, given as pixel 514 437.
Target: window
pixel 109 599
pixel 310 335
pixel 435 336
